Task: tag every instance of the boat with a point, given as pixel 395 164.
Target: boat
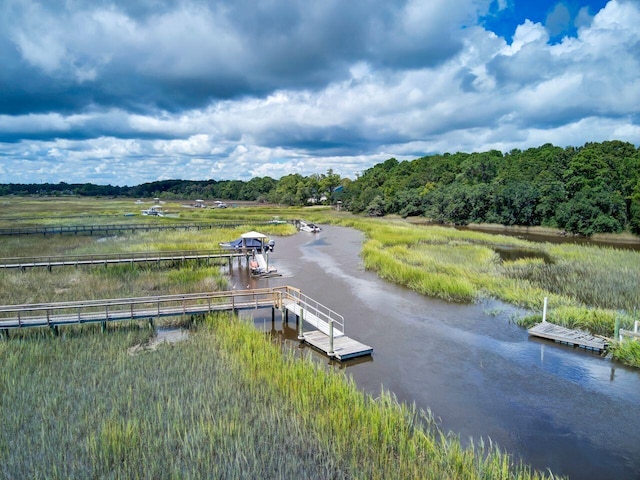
pixel 250 241
pixel 256 245
pixel 309 227
pixel 155 210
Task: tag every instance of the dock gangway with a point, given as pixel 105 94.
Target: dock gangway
pixel 328 335
pixel 50 261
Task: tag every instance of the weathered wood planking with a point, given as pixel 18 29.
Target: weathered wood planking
pixel 561 334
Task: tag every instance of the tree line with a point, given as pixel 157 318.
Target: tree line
pixel 583 190
pixel 293 189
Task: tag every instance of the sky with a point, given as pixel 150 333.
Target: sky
pixel 124 92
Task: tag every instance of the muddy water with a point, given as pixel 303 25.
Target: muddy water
pixel 479 373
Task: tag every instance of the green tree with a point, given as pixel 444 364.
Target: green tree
pixel 329 183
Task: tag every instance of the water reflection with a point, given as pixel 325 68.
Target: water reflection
pixel 626 244
pixel 171 335
pixel 511 254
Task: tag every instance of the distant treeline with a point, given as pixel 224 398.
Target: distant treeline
pixel 585 190
pixel 590 189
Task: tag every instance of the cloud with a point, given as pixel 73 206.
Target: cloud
pixel 558 20
pixel 135 91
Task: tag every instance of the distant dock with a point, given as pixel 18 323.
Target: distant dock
pixel 568 336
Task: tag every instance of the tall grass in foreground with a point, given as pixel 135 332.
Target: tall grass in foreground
pixel 224 404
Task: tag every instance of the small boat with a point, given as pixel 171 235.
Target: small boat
pixel 309 227
pixel 155 210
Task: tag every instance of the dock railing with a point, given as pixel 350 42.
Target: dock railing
pixel 151 307
pixel 137 308
pixel 313 312
pixel 133 257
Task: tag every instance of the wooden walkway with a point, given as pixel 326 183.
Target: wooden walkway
pixel 108 259
pixel 113 228
pixel 288 299
pixel 576 338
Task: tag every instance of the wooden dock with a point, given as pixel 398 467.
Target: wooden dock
pixel 568 336
pixel 123 227
pixel 115 258
pixel 329 336
pixel 344 348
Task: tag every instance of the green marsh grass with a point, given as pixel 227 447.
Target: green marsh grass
pixel 226 403
pixel 628 352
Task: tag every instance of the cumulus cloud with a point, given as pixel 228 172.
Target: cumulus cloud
pixel 125 92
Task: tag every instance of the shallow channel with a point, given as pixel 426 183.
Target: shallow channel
pixel 553 406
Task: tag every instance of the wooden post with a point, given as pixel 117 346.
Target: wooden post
pixel 331 353
pixel 544 310
pixel 273 314
pixel 300 332
pixel 616 329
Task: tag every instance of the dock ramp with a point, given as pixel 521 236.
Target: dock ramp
pixel 328 336
pixel 262 263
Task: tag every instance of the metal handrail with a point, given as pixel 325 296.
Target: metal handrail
pixel 130 226
pixel 314 307
pixel 106 310
pixel 97 257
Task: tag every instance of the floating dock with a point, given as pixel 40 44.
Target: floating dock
pixel 568 336
pixel 344 348
pixel 329 337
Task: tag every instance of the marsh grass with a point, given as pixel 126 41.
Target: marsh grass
pixel 113 281
pixel 224 404
pixel 89 410
pixel 627 352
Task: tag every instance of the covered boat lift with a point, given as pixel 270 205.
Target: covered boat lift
pixel 250 241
